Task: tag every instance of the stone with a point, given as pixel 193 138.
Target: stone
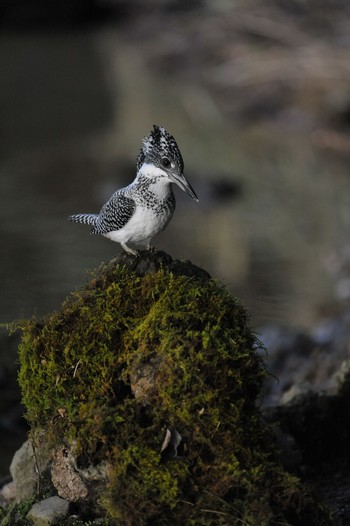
pixel 143 379
pixel 65 476
pixel 24 473
pixel 27 465
pixel 97 473
pixel 48 512
pixel 7 493
pixel 295 391
pixel 137 353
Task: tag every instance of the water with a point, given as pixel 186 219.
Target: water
pixel 273 207
pixel 68 144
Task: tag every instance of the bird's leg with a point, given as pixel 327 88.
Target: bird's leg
pixel 129 250
pixel 150 247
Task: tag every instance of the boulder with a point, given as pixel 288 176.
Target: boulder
pixel 146 383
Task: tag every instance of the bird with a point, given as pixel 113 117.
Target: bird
pixel 138 212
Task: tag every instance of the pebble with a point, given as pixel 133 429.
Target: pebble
pixel 48 512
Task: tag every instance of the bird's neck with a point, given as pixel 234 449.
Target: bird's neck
pixel 151 171
pixel 151 179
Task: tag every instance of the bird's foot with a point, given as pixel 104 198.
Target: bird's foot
pixel 151 248
pixel 129 250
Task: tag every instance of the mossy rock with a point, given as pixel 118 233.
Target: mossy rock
pixel 154 347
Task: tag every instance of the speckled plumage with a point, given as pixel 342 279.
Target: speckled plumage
pixel 136 213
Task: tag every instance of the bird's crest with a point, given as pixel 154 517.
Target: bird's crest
pixel 159 143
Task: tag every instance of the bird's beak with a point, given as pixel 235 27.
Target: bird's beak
pixel 182 183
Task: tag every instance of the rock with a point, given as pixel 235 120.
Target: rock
pixel 27 465
pixel 153 370
pixel 297 390
pixel 315 427
pixel 7 493
pixel 318 357
pixel 24 473
pixel 65 477
pixel 343 373
pixel 48 512
pixel 143 379
pixel 97 473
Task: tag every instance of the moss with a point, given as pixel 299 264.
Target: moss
pixel 15 515
pixel 150 345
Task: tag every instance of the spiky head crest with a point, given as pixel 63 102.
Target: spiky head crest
pixel 158 145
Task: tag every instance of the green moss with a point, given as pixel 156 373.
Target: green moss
pixel 15 515
pixel 132 355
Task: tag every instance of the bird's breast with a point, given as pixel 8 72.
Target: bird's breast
pixel 145 223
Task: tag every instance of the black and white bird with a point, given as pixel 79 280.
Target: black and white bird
pixel 136 213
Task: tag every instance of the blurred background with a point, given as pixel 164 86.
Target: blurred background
pixel 257 95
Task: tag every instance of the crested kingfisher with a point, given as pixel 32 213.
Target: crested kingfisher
pixel 136 213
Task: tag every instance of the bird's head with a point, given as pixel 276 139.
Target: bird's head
pixel 160 154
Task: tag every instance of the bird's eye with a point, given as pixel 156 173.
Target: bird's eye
pixel 165 162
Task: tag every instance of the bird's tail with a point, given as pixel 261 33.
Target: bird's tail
pixel 87 219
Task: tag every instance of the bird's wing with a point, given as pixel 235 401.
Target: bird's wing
pixel 114 214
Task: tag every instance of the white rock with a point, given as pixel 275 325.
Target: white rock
pixel 8 492
pixel 48 512
pixel 295 391
pixel 26 466
pixel 23 472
